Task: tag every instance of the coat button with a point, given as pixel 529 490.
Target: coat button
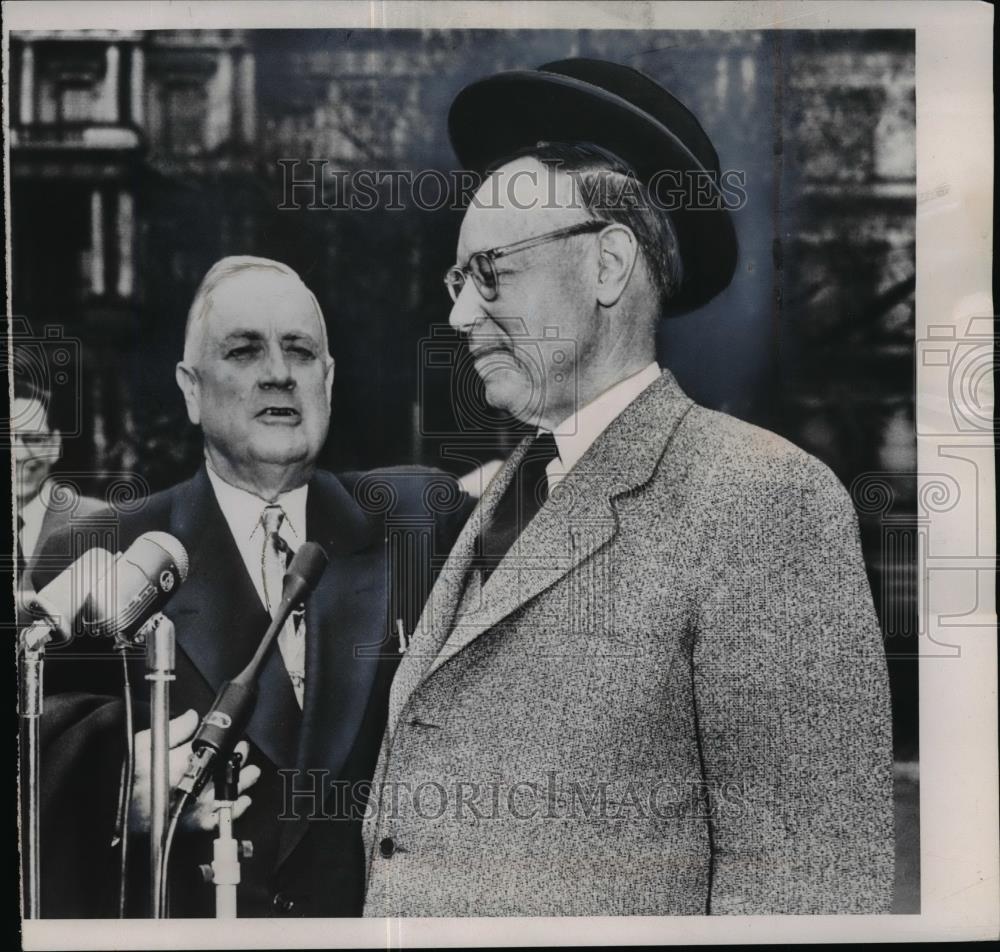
pixel 387 847
pixel 283 903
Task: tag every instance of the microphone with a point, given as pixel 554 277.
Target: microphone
pixel 140 582
pixel 233 706
pixel 57 606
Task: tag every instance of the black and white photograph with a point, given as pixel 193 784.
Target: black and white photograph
pixel 506 472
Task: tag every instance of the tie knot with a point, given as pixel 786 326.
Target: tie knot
pixel 543 448
pixel 272 518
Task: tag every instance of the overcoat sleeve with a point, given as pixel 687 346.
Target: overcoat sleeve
pixel 792 704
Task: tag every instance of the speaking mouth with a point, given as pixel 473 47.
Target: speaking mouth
pixel 279 415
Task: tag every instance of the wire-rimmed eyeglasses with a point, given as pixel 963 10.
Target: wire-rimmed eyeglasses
pixel 483 272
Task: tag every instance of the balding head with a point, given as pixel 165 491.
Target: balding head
pixel 248 270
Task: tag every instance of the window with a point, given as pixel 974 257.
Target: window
pixel 76 103
pixel 184 118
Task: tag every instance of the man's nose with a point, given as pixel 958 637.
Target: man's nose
pixel 277 370
pixel 467 311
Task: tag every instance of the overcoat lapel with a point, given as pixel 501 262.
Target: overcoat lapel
pixel 576 521
pixel 438 615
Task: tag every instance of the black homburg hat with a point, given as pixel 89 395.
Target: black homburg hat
pixel 628 114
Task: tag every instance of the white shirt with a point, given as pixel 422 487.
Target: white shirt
pixel 243 510
pixel 578 432
pixel 33 514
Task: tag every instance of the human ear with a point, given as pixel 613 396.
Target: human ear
pixel 617 253
pixel 328 381
pixel 187 379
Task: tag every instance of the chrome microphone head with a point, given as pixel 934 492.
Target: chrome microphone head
pixel 172 546
pixel 69 596
pixel 142 581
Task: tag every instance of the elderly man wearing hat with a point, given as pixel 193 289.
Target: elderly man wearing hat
pixel 650 679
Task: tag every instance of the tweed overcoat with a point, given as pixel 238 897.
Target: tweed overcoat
pixel 671 697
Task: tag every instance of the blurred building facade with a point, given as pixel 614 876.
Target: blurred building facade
pixel 138 159
pixel 106 127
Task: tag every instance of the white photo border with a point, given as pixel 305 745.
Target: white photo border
pixel 958 694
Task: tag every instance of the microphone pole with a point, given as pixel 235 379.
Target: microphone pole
pixel 140 582
pixel 55 610
pixel 160 653
pixel 32 661
pixel 224 871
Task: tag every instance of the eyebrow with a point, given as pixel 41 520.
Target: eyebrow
pixel 257 336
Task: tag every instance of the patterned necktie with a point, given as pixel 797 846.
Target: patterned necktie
pixel 274 559
pixel 520 503
pixel 20 548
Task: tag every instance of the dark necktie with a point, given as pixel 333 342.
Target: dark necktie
pixel 519 504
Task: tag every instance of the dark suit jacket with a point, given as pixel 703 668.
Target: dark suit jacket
pixel 381 531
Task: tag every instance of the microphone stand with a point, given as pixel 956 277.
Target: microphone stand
pixel 159 637
pixel 227 851
pixel 33 642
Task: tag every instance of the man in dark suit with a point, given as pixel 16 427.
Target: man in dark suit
pixel 649 679
pixel 256 376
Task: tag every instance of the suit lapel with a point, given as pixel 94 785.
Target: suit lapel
pixel 345 624
pixel 56 518
pixel 579 517
pixel 344 615
pixel 220 619
pixel 51 523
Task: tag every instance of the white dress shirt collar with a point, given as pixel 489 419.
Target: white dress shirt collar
pixel 578 432
pixel 242 511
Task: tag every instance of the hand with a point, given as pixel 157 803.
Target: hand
pixel 202 815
